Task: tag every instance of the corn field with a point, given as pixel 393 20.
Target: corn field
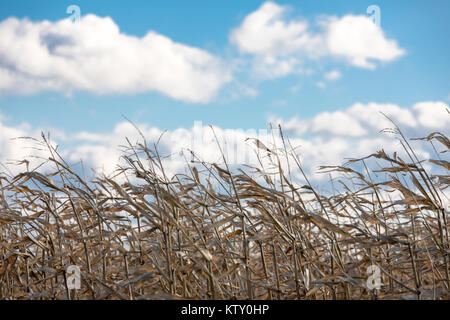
pixel 215 232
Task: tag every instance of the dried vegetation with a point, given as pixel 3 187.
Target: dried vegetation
pixel 216 232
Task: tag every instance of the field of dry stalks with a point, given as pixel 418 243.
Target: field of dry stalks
pixel 218 233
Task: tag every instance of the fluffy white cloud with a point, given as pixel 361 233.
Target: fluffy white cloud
pixel 93 55
pixel 432 115
pixel 325 139
pixel 338 123
pixel 364 120
pixel 282 45
pixel 330 137
pixel 359 40
pixel 265 32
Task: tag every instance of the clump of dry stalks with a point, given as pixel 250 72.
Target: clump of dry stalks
pixel 217 234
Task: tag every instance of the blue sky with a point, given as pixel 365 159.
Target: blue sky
pixel 323 70
pixel 419 27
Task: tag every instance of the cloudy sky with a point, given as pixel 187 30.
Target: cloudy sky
pixel 322 69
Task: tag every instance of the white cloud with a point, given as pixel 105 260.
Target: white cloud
pixel 265 32
pixel 93 55
pixel 364 120
pixel 333 75
pixel 359 40
pixel 281 45
pixel 324 139
pixel 433 114
pixel 330 137
pixel 337 123
pixel 370 115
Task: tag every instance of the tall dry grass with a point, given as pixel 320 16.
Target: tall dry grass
pixel 218 233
